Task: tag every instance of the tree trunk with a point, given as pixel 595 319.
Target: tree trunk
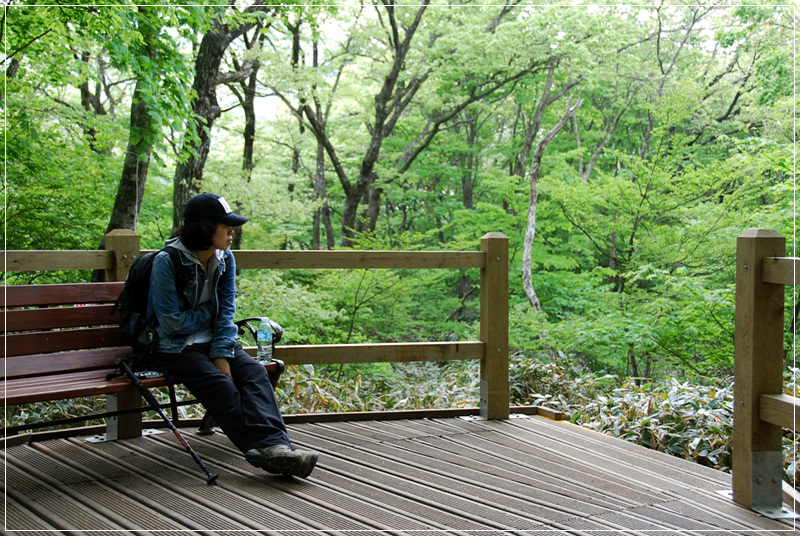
pixel 322 215
pixel 247 100
pixel 533 175
pixel 92 103
pixel 530 232
pixel 248 106
pixel 388 108
pixel 130 191
pixel 633 366
pixel 188 180
pixel 469 173
pixel 370 215
pixel 544 103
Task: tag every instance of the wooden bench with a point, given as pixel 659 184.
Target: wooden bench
pixel 61 342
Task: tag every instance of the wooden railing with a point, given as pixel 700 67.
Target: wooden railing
pixel 123 247
pixel 761 409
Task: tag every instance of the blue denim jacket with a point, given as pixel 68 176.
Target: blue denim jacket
pixel 176 328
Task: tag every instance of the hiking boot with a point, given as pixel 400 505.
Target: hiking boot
pixel 308 459
pixel 282 460
pixel 277 459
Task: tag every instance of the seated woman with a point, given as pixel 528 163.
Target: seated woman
pixel 197 339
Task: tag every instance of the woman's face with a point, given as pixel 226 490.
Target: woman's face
pixel 223 237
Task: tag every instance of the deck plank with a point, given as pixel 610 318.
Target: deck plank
pixel 426 476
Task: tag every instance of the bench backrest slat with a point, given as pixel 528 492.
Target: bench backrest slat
pixel 43 342
pixel 58 317
pixel 66 294
pixel 50 330
pixel 63 362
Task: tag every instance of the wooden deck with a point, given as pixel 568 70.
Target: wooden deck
pixel 525 475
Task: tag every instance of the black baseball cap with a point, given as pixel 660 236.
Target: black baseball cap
pixel 207 206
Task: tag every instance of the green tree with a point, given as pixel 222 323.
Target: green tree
pixel 144 42
pixel 227 25
pixel 112 55
pixel 58 153
pixel 689 172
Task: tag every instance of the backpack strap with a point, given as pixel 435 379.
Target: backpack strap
pixel 182 276
pixel 182 273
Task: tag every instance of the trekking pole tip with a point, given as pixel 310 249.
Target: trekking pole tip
pixel 212 480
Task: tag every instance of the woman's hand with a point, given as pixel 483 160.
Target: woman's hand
pixel 223 365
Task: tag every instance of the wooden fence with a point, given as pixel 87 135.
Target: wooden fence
pixel 761 409
pixel 123 247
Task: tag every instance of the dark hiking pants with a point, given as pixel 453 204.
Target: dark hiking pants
pixel 245 408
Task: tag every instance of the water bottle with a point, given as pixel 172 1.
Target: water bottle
pixel 264 335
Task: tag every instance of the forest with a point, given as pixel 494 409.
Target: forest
pixel 622 149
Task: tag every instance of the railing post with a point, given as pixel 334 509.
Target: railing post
pixel 758 363
pixel 125 245
pixel 494 394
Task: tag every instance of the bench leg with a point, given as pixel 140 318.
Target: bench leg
pixel 173 404
pixel 207 425
pixel 124 426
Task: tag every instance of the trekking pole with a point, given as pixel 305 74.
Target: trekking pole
pixel 212 478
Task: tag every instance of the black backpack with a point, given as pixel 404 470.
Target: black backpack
pixel 138 331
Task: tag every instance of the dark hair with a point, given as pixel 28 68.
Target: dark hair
pixel 197 234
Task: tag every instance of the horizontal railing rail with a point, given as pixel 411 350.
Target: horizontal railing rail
pixel 50 260
pixel 781 270
pixel 47 260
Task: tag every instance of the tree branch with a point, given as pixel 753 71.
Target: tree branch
pixel 26 45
